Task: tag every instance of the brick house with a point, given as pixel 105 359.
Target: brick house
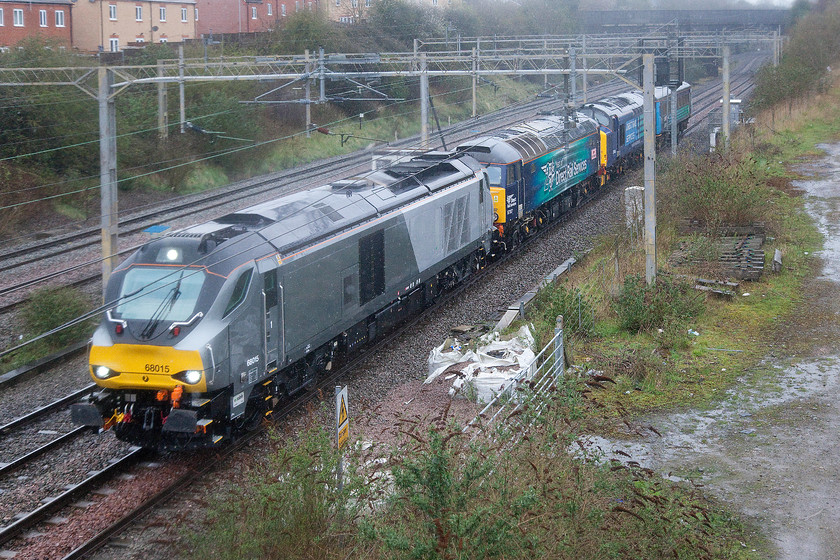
pixel 38 18
pixel 111 25
pixel 246 16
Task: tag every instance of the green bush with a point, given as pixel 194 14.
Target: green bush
pixel 715 190
pixel 665 303
pixel 52 307
pixel 291 508
pixel 575 307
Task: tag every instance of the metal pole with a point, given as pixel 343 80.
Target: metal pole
pixel 559 358
pixel 545 76
pixel 424 103
pixel 585 64
pixel 650 171
pixel 724 129
pixel 307 93
pixel 163 114
pixel 183 113
pixel 340 468
pixel 573 75
pixel 321 72
pixel 674 82
pixel 107 173
pixel 474 85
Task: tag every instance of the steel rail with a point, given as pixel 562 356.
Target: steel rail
pixel 6 468
pixel 35 414
pixel 31 519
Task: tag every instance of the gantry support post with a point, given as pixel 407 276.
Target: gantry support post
pixel 183 108
pixel 307 92
pixel 424 103
pixel 107 173
pixel 474 84
pixel 724 129
pixel 585 64
pixel 650 171
pixel 674 83
pixel 163 114
pixel 322 98
pixel 573 74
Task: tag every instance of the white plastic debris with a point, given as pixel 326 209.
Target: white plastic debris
pixel 485 371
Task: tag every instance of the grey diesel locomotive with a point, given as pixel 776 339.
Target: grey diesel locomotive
pixel 212 326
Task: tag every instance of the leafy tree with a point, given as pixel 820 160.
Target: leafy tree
pixel 405 21
pixel 812 49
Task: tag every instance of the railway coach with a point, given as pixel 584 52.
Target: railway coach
pixel 211 327
pixel 539 169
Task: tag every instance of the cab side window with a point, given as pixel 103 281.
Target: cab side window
pixel 239 291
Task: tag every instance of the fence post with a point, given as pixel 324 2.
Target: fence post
pixel 558 349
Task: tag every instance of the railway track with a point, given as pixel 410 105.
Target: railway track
pixel 18 262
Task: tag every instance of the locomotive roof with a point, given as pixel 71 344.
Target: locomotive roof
pixel 530 139
pixel 297 220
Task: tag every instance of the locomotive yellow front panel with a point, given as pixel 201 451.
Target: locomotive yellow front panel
pixel 499 207
pixel 135 366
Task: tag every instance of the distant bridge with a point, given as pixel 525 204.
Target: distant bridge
pixel 635 21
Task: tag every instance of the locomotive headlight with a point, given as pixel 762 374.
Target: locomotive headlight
pixel 102 372
pixel 190 377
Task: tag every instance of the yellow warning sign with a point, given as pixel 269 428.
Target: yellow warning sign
pixel 343 435
pixel 342 420
pixel 342 411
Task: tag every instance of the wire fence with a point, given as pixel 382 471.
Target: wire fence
pixel 529 386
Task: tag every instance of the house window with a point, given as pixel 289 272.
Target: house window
pixel 42 18
pixel 183 15
pixel 112 12
pixel 163 13
pixel 196 14
pixel 2 21
pixel 164 40
pixel 297 5
pixel 269 11
pixel 354 3
pixel 368 3
pixel 282 11
pixel 17 16
pixel 59 18
pixel 138 13
pixel 140 40
pixel 114 44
